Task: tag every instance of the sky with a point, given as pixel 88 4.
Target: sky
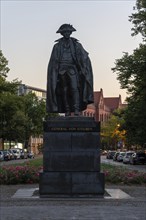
pixel 28 32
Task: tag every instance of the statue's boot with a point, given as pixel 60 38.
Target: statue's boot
pixel 66 104
pixel 76 103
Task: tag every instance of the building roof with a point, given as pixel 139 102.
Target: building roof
pixel 110 103
pixel 113 102
pixel 97 96
pixel 124 105
pixel 34 88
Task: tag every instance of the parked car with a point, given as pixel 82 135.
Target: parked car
pixel 12 156
pixel 17 153
pixel 6 155
pixel 120 156
pixel 1 155
pixel 115 156
pixel 104 152
pixel 138 158
pixel 110 154
pixel 24 154
pixel 126 158
pixel 30 155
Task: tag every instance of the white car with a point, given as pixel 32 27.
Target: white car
pixel 120 156
pixel 1 155
pixel 17 153
pixel 126 158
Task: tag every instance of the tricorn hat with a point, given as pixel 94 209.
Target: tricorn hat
pixel 66 27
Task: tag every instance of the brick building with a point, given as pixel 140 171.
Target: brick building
pixel 103 106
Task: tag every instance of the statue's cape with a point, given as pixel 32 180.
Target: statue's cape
pixel 80 56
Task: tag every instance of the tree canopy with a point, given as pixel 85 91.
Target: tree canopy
pixel 113 131
pixel 20 116
pixel 131 73
pixel 4 69
pixel 139 19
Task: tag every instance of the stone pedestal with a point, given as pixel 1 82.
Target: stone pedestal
pixel 71 162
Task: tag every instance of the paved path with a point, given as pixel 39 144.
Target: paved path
pixel 132 208
pixel 78 211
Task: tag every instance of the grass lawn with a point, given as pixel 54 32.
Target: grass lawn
pixel 37 162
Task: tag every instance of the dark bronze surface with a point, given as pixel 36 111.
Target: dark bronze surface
pixel 69 76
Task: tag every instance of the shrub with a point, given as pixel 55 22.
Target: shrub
pixel 121 175
pixel 19 174
pixel 29 173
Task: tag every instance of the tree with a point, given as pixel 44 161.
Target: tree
pixel 139 19
pixel 131 73
pixel 35 112
pixel 4 69
pixel 20 116
pixel 5 86
pixel 11 113
pixel 8 98
pixel 113 131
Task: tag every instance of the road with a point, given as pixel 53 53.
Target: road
pixel 141 168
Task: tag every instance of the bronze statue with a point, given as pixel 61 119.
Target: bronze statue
pixel 70 78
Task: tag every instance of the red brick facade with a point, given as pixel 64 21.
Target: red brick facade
pixel 103 106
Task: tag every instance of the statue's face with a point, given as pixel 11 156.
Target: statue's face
pixel 66 34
